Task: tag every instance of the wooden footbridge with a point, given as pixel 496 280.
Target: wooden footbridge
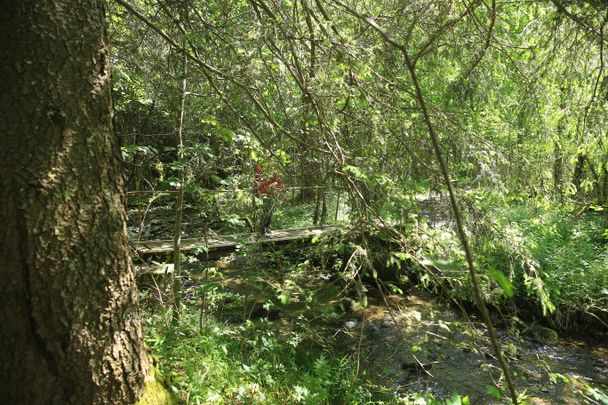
pixel 226 243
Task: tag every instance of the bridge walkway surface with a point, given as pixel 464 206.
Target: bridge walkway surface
pixel 226 243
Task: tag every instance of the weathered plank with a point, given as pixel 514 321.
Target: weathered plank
pixel 229 242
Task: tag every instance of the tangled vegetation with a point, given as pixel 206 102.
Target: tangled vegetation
pixel 455 146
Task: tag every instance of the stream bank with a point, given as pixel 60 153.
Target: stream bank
pixel 421 345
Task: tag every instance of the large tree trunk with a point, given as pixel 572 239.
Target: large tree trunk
pixel 69 327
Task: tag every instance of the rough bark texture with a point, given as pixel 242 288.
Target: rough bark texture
pixel 69 328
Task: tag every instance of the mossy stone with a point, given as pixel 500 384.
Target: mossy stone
pixel 542 334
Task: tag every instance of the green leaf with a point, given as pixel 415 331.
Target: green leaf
pixel 493 391
pixel 355 171
pixel 455 399
pixel 402 256
pixel 226 134
pixel 598 395
pixel 557 377
pixel 502 281
pixel 440 264
pixel 200 250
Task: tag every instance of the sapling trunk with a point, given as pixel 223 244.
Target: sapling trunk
pixel 179 202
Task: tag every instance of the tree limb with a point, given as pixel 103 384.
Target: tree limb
pixel 452 194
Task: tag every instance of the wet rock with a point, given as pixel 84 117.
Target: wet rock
pixel 542 334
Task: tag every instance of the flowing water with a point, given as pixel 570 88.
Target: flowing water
pixel 423 345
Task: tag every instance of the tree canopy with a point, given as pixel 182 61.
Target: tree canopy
pixel 460 147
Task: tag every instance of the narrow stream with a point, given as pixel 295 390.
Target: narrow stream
pixel 430 349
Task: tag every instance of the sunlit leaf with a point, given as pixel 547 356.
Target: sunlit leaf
pixel 502 280
pixel 493 391
pixel 440 264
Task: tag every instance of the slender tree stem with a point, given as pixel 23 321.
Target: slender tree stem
pixel 179 202
pixel 460 229
pixel 483 309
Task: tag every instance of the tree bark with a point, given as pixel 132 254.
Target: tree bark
pixel 558 168
pixel 577 176
pixel 70 330
pixel 309 159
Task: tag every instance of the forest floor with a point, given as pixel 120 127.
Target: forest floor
pixel 280 327
pixel 412 342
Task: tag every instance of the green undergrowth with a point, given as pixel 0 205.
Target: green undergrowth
pixel 253 363
pixel 236 354
pixel 566 248
pixel 268 335
pixel 550 257
pixel 299 215
pixel 248 363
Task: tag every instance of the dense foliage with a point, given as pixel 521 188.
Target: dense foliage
pixel 331 95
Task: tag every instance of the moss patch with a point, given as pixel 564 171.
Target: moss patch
pixel 154 392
